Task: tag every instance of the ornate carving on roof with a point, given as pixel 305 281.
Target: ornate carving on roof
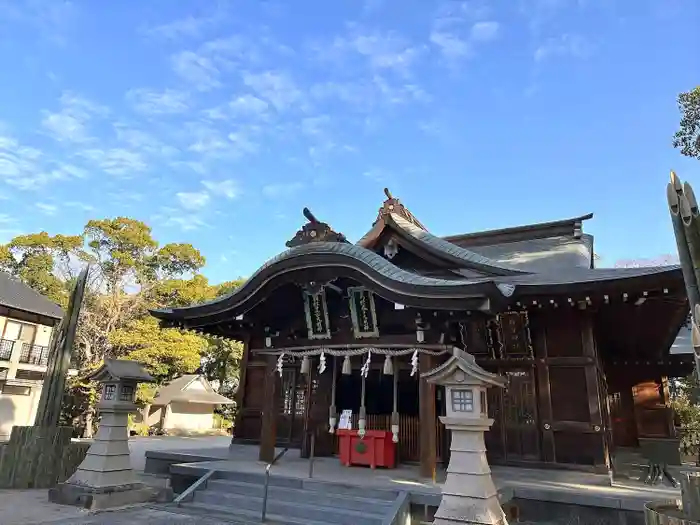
pixel 393 205
pixel 314 231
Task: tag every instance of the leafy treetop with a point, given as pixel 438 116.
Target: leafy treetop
pixel 687 138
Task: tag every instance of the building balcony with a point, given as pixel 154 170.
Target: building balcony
pixel 34 354
pixel 6 349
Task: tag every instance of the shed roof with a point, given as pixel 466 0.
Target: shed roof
pixel 179 390
pixel 15 294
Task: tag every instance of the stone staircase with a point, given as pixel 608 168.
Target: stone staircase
pixel 237 498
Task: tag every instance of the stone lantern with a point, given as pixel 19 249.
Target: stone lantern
pixel 105 478
pixel 468 495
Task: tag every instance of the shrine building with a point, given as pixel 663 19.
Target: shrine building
pixel 333 328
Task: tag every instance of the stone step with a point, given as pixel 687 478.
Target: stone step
pixel 305 507
pixel 321 497
pixel 309 484
pixel 243 516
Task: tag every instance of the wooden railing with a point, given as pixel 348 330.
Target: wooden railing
pixel 409 434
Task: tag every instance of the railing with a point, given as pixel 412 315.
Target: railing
pixel 34 354
pixel 267 482
pixel 190 490
pixel 6 349
pixel 312 455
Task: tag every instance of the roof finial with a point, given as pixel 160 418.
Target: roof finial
pixel 310 216
pixel 387 193
pixel 314 231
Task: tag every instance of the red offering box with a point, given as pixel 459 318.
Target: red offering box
pixel 376 449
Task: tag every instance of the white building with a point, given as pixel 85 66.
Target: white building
pixel 27 320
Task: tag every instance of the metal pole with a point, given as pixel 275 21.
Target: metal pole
pixel 312 456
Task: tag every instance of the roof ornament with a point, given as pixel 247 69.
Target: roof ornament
pixel 314 231
pixel 393 205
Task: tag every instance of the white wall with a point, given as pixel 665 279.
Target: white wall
pixel 17 410
pixel 190 416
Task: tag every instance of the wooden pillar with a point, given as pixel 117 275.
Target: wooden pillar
pixel 594 390
pixel 544 394
pixel 428 420
pixel 268 427
pixel 240 391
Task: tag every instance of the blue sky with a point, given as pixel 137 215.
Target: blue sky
pixel 217 123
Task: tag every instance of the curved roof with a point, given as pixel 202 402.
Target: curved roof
pixel 461 257
pixel 401 286
pixel 373 270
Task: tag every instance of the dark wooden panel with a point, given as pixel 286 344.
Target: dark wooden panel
pixel 571 400
pixel 254 387
pixel 579 449
pixel 564 334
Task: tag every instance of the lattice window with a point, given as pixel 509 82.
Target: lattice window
pixel 462 400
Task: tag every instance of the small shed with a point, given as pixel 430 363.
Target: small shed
pixel 186 404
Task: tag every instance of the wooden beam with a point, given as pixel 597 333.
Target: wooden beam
pixel 544 395
pixel 593 386
pixel 268 430
pixel 428 420
pixel 240 391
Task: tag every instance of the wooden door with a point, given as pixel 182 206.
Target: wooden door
pixel 514 436
pixel 569 390
pixel 292 407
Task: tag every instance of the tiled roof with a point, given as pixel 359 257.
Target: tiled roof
pixel 15 294
pixel 177 390
pixel 541 255
pixel 469 257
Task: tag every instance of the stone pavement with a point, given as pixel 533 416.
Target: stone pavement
pixel 132 516
pixel 32 507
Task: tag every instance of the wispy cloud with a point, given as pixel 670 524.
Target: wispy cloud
pixel 227 188
pixel 277 87
pixel 567 45
pixel 249 105
pixel 151 102
pixel 198 70
pixel 187 27
pixel 70 123
pixel 460 27
pixel 116 161
pixel 51 20
pixel 485 31
pixel 193 200
pixel 282 190
pixel 380 50
pixel 28 168
pixel 47 209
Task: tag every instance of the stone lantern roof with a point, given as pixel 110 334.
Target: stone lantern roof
pixel 462 369
pixel 118 370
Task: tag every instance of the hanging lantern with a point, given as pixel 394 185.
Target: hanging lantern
pixel 347 366
pixel 420 333
pixel 388 366
pixel 305 365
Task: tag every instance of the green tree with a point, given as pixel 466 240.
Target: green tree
pixel 44 262
pixel 166 353
pixel 687 138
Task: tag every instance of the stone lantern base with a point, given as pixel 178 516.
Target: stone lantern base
pixel 97 498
